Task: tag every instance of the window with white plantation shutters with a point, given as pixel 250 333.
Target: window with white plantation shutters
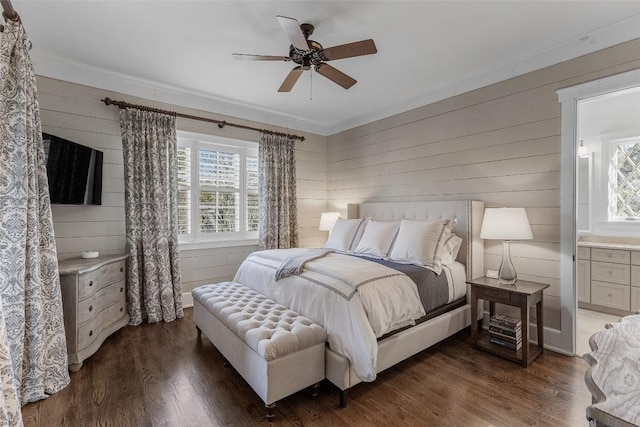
pixel 218 189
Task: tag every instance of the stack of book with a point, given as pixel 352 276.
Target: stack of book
pixel 505 331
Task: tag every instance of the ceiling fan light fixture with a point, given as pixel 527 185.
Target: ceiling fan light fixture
pixel 307 53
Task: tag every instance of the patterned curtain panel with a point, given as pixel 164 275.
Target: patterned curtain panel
pixel 154 288
pixel 33 348
pixel 278 208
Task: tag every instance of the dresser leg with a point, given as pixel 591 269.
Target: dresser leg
pixel 199 331
pixel 75 367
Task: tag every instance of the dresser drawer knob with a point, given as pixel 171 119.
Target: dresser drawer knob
pixel 91 283
pixel 121 289
pixel 90 308
pixel 121 308
pixel 90 333
pixel 121 269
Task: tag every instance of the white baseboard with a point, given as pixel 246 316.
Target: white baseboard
pixel 187 300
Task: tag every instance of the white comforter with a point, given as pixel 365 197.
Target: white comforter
pixel 355 300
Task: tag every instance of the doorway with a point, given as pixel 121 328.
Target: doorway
pixel 570 98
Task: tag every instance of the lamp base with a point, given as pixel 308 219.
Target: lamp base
pixel 507 273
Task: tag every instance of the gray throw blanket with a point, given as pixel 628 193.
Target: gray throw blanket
pixel 293 265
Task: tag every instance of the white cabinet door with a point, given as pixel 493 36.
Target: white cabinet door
pixel 584 281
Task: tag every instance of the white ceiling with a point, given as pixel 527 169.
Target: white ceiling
pixel 180 51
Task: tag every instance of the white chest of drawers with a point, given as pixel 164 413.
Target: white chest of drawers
pixel 609 279
pixel 94 301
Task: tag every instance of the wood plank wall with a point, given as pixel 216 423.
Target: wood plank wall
pixel 75 112
pixel 499 144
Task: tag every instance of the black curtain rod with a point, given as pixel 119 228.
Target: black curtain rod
pixel 8 12
pixel 221 123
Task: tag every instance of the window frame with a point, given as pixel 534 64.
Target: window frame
pixel 611 177
pixel 196 239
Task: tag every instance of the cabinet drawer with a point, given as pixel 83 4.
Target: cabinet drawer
pixel 611 255
pixel 90 307
pixel 635 275
pixel 635 257
pixel 611 273
pixel 90 283
pixel 88 333
pixel 611 295
pixel 635 299
pixel 584 253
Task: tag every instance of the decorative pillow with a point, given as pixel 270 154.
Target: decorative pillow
pixel 450 249
pixel 420 243
pixel 377 239
pixel 343 237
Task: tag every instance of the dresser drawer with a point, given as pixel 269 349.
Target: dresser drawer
pixel 584 253
pixel 610 272
pixel 611 255
pixel 90 283
pixel 90 307
pixel 635 257
pixel 635 299
pixel 91 330
pixel 611 295
pixel 635 275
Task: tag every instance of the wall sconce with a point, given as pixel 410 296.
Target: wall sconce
pixel 583 151
pixel 328 220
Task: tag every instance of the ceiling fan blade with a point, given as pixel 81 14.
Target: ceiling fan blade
pixel 248 57
pixel 291 79
pixel 335 75
pixel 349 50
pixel 292 29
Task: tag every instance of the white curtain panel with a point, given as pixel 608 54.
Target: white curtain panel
pixel 154 287
pixel 33 350
pixel 278 208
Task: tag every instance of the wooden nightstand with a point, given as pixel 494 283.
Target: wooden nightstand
pixel 522 294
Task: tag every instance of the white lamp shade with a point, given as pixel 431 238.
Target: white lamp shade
pixel 327 220
pixel 506 224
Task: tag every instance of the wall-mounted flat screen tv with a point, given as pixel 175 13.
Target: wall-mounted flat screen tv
pixel 74 172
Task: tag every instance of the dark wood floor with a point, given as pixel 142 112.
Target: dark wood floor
pixel 162 375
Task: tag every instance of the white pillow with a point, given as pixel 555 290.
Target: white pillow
pixel 342 237
pixel 450 249
pixel 420 243
pixel 377 238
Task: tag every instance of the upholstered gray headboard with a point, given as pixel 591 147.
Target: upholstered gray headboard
pixel 467 214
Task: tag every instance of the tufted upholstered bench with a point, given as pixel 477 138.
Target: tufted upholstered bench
pixel 276 350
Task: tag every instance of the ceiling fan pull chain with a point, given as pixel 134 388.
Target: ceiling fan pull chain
pixel 311 84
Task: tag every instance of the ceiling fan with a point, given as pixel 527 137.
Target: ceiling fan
pixel 307 53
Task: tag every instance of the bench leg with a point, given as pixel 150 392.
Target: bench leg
pixel 271 408
pixel 199 331
pixel 314 390
pixel 343 399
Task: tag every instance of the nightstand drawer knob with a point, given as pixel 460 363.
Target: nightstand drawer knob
pixel 121 289
pixel 121 269
pixel 90 333
pixel 90 308
pixel 91 283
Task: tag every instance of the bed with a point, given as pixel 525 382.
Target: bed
pixel 341 292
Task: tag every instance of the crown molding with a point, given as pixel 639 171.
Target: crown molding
pixel 80 73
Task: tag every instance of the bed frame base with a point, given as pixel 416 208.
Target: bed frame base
pixel 398 347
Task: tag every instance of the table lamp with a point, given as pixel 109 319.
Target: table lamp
pixel 506 224
pixel 328 220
